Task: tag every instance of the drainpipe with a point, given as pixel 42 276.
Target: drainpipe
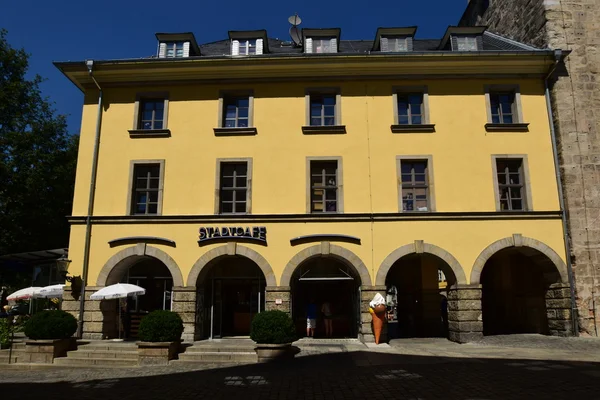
pixel 558 56
pixel 88 218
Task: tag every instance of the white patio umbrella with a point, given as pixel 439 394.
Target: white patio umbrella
pixel 50 291
pixel 23 294
pixel 118 291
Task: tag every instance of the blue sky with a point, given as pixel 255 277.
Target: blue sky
pixel 75 30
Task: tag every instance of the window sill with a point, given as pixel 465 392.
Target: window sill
pixel 421 128
pixel 149 133
pixel 235 131
pixel 520 127
pixel 324 130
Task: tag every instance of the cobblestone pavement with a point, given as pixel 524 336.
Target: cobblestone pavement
pixel 440 370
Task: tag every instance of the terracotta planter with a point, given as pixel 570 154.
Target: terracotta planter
pixel 45 351
pixel 275 352
pixel 157 353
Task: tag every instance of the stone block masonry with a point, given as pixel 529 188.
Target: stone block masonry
pixel 575 92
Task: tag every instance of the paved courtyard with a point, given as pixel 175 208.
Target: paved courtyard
pixel 515 367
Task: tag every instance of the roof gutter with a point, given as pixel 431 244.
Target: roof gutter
pixel 92 194
pixel 559 56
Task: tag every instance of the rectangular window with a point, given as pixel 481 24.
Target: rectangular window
pixel 410 108
pixel 151 114
pixel 415 185
pixel 146 189
pixel 511 191
pixel 247 47
pixel 503 107
pixel 323 45
pixel 236 112
pixel 233 192
pixel 466 43
pixel 174 49
pixel 396 43
pixel 322 109
pixel 324 186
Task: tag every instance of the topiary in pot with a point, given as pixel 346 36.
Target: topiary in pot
pixel 51 325
pixel 161 326
pixel 273 331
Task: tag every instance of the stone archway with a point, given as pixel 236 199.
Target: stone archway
pixel 419 247
pixel 325 249
pixel 231 249
pixel 517 241
pixel 121 261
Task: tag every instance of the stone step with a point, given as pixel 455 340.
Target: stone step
pixel 219 349
pixel 219 357
pixel 108 346
pixel 95 353
pixel 95 362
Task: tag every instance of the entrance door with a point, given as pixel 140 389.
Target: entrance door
pixel 235 302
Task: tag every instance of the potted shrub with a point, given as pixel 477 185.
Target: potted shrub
pixel 50 336
pixel 273 331
pixel 160 337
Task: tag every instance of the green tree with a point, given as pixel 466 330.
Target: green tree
pixel 37 161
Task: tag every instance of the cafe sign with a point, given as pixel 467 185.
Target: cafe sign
pixel 233 233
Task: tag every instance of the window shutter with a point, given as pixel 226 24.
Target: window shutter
pixel 162 50
pixel 259 46
pixel 235 48
pixel 409 44
pixel 454 43
pixel 333 45
pixel 384 44
pixel 479 41
pixel 308 45
pixel 186 49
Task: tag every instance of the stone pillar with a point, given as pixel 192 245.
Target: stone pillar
pixel 100 318
pixel 278 294
pixel 465 320
pixel 558 309
pixel 365 331
pixel 184 304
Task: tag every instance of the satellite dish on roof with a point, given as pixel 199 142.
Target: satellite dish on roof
pixel 294 20
pixel 294 31
pixel 295 34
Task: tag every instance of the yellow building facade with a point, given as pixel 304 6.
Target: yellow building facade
pixel 226 184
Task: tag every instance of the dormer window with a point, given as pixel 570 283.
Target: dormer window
pixel 321 41
pixel 394 40
pixel 174 49
pixel 177 45
pixel 466 43
pixel 396 43
pixel 248 43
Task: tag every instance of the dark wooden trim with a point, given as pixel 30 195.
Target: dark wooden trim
pixel 326 237
pixel 325 217
pixel 421 128
pixel 235 131
pixel 324 130
pixel 520 127
pixel 141 239
pixel 149 133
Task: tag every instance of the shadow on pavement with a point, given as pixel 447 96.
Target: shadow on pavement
pixel 356 375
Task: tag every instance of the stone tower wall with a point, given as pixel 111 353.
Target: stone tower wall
pixel 569 25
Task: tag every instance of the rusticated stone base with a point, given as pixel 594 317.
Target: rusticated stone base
pixel 184 304
pixel 45 351
pixel 558 310
pixel 100 317
pixel 465 322
pixel 278 298
pixel 157 353
pixel 365 333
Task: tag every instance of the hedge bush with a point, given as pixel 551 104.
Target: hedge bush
pixel 273 327
pixel 51 325
pixel 161 326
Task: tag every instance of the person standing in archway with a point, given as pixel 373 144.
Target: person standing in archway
pixel 327 318
pixel 311 318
